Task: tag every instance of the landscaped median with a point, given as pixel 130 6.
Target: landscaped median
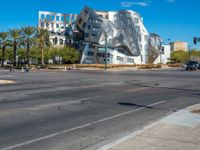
pixel 6 81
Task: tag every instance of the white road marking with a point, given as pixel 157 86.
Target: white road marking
pixel 76 128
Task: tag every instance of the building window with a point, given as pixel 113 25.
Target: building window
pixel 130 60
pixel 95 28
pixel 136 20
pixel 52 18
pixel 94 35
pixel 121 51
pixel 139 37
pixel 84 25
pixel 62 18
pixel 145 38
pixel 86 12
pixel 42 16
pixel 90 53
pixel 137 28
pixel 119 58
pixel 57 25
pixel 47 24
pixel 86 34
pixel 61 42
pixel 42 24
pixel 48 17
pixel 57 18
pixel 80 21
pixel 99 54
pixel 89 27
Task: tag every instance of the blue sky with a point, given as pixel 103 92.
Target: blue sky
pixel 178 20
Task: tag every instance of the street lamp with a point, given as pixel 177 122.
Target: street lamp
pixel 106 46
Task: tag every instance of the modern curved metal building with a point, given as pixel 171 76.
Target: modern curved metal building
pixel 115 37
pixel 121 33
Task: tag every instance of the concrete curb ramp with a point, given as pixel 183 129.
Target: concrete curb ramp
pixel 6 81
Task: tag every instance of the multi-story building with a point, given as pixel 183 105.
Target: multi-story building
pixel 177 46
pixel 123 33
pixel 57 25
pixel 118 37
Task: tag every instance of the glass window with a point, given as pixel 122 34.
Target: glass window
pixel 130 60
pixel 84 25
pixel 99 54
pixel 52 18
pixel 57 25
pixel 90 53
pixel 42 24
pixel 48 17
pixel 62 18
pixel 88 27
pixel 42 16
pixel 57 18
pixel 86 34
pixel 136 20
pixel 95 28
pixel 119 58
pixel 137 28
pixel 80 21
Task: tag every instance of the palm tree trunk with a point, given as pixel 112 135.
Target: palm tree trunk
pixel 3 55
pixel 27 53
pixel 15 53
pixel 42 57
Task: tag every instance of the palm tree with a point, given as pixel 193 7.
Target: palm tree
pixel 4 43
pixel 15 36
pixel 42 41
pixel 28 34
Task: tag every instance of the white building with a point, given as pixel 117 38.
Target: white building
pixel 164 55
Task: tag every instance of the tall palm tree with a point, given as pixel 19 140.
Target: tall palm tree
pixel 4 43
pixel 27 34
pixel 42 41
pixel 15 36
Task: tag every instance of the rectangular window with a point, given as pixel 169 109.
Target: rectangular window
pixel 42 16
pixel 57 25
pixel 57 18
pixel 52 25
pixel 89 27
pixel 94 35
pixel 62 18
pixel 90 53
pixel 119 58
pixel 145 38
pixel 48 17
pixel 84 25
pixel 95 28
pixel 80 21
pixel 136 20
pixel 139 37
pixel 52 18
pixel 137 28
pixel 42 24
pixel 130 60
pixel 86 34
pixel 99 54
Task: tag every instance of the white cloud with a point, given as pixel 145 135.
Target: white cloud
pixel 139 3
pixel 171 1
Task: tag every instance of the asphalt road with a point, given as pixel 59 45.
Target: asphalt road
pixel 72 110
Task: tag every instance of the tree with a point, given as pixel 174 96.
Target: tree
pixel 4 43
pixel 15 36
pixel 69 55
pixel 179 56
pixel 28 36
pixel 42 41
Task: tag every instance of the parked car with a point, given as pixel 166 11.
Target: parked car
pixel 192 65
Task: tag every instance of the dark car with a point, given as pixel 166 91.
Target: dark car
pixel 192 65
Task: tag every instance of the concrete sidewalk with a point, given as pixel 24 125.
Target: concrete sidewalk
pixel 179 131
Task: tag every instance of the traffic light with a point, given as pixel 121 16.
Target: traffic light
pixel 195 40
